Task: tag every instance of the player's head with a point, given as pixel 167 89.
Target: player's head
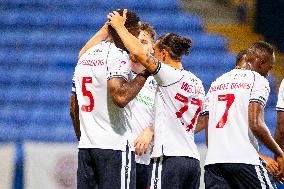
pixel 132 24
pixel 146 37
pixel 261 56
pixel 171 47
pixel 240 60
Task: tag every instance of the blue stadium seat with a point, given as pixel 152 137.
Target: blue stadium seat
pixel 54 134
pixel 173 21
pixel 169 5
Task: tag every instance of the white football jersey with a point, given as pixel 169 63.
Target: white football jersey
pixel 280 102
pixel 140 112
pixel 103 124
pixel 178 102
pixel 230 139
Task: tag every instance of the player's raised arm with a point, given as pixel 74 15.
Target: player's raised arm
pixel 133 45
pixel 74 113
pixel 101 35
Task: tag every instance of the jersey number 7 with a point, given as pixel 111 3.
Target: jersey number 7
pixel 88 94
pixel 184 100
pixel 230 98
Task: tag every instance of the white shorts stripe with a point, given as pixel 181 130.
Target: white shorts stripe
pixel 267 177
pixel 123 166
pixel 257 169
pixel 157 173
pixel 128 170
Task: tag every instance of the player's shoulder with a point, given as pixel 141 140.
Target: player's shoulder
pixel 115 51
pixel 192 77
pixel 260 79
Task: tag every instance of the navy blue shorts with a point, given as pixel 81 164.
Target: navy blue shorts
pixel 175 172
pixel 143 175
pixel 236 175
pixel 105 169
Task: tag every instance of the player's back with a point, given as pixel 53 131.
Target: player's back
pixel 102 123
pixel 229 137
pixel 177 107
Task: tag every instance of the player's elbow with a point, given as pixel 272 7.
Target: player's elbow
pixel 120 101
pixel 254 124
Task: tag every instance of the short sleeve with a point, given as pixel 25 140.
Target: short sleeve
pixel 260 90
pixel 118 64
pixel 166 75
pixel 73 91
pixel 280 102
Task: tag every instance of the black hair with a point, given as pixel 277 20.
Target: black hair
pixel 240 55
pixel 175 44
pixel 132 24
pixel 261 48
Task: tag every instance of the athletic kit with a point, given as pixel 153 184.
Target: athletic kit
pixel 105 157
pixel 178 103
pixel 280 102
pixel 232 159
pixel 140 112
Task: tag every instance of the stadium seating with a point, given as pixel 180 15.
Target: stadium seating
pixel 39 45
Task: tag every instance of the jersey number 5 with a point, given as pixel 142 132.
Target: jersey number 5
pixel 184 100
pixel 230 98
pixel 88 94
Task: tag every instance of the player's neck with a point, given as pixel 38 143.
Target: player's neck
pixel 175 64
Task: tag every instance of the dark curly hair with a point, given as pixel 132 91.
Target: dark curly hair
pixel 149 29
pixel 175 44
pixel 132 24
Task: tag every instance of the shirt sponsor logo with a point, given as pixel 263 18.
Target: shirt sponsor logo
pixel 91 62
pixel 226 86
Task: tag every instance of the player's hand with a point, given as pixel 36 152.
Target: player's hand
pixel 143 141
pixel 280 161
pixel 271 166
pixel 115 20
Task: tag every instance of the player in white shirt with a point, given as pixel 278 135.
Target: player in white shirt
pixel 235 103
pixel 177 106
pixel 100 91
pixel 279 132
pixel 143 104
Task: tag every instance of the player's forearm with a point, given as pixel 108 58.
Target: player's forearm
pixel 135 47
pixel 74 113
pixel 101 35
pixel 279 132
pixel 263 134
pixel 259 128
pixel 123 92
pixel 201 123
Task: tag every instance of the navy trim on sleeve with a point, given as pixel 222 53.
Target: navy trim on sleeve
pixel 278 109
pixel 257 100
pixel 117 76
pixel 158 68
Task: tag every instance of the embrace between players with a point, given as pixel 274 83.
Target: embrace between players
pixel 131 96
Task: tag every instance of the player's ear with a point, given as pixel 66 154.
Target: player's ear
pixel 164 54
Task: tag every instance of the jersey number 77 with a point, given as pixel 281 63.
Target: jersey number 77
pixel 195 102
